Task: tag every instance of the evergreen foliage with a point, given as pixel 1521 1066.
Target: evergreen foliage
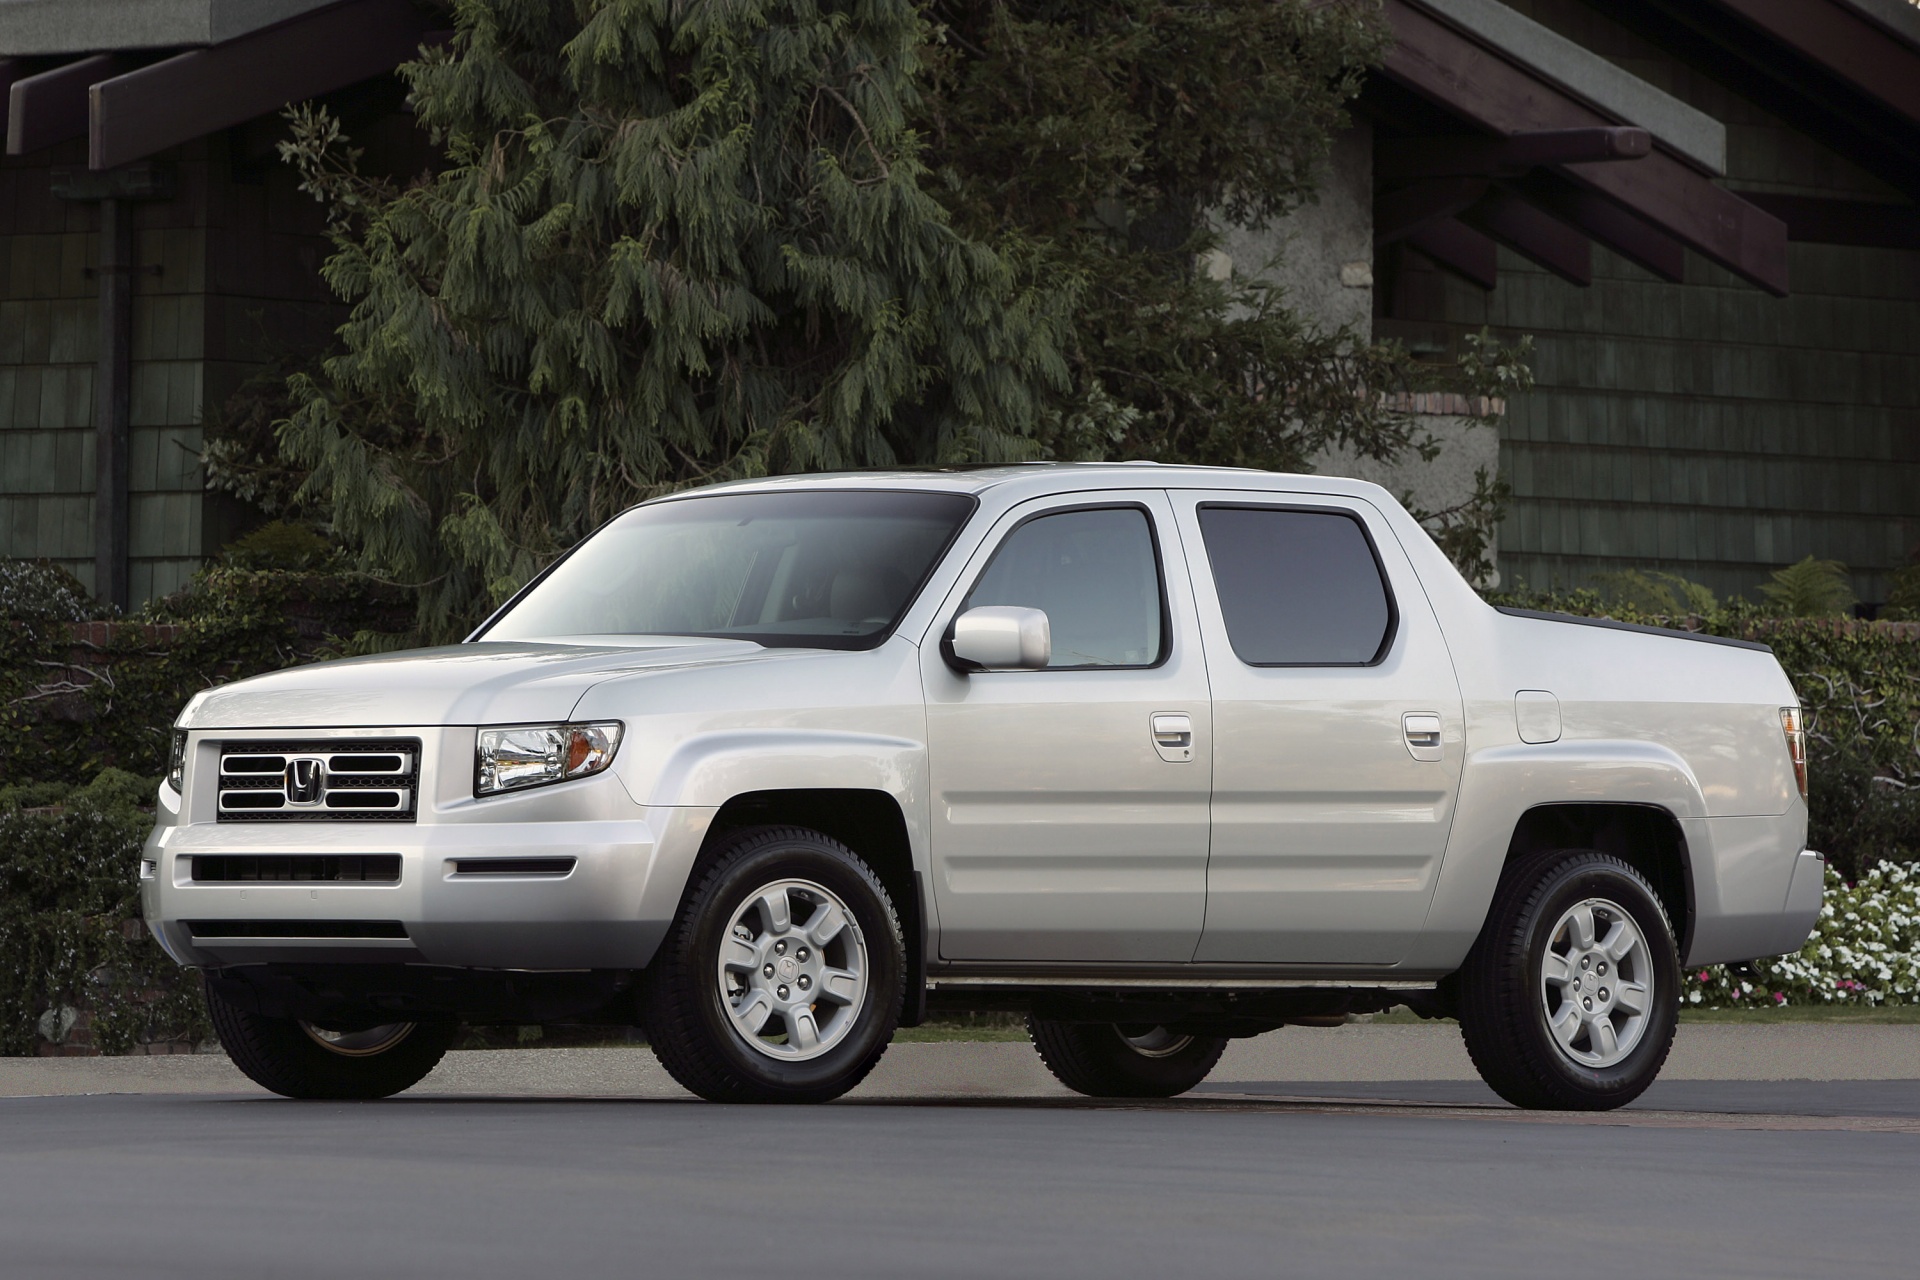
pixel 1903 595
pixel 1810 589
pixel 673 243
pixel 1109 143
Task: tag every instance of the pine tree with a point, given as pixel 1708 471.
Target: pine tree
pixel 674 241
pixel 1110 143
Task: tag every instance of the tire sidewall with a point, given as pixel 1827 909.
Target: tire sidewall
pixel 1573 882
pixel 798 858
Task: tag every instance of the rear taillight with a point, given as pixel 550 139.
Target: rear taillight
pixel 1796 745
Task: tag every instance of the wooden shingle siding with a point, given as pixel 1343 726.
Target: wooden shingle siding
pixel 226 274
pixel 1703 428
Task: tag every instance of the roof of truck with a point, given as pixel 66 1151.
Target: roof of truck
pixel 1054 477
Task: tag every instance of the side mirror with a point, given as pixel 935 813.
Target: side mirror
pixel 1000 637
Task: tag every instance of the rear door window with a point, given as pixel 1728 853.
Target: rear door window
pixel 1298 587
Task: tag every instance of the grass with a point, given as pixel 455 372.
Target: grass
pixel 996 1028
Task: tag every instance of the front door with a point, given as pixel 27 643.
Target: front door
pixel 1338 730
pixel 1063 828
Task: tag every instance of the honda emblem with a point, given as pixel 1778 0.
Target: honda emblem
pixel 305 780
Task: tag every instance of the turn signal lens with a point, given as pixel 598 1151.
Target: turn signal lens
pixel 1796 745
pixel 177 761
pixel 534 755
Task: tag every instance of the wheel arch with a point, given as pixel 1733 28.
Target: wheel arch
pixel 1647 837
pixel 870 822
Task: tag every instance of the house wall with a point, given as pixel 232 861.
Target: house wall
pixel 1702 428
pixel 226 273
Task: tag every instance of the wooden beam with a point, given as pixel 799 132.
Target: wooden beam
pixel 1845 43
pixel 1474 82
pixel 1534 235
pixel 1397 212
pixel 11 69
pixel 1814 220
pixel 1460 249
pixel 1401 159
pixel 51 106
pixel 196 93
pixel 1626 234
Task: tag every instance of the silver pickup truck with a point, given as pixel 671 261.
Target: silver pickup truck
pixel 1157 756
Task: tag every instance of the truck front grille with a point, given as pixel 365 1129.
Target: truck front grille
pixel 296 928
pixel 354 780
pixel 227 868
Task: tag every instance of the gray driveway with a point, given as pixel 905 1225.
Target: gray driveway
pixel 959 1160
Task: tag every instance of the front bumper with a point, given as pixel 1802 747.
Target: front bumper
pixel 609 911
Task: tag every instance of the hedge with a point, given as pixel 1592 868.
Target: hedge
pixel 72 947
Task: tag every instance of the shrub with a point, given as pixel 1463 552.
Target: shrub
pixel 1809 589
pixel 74 700
pixel 41 591
pixel 1903 595
pixel 70 936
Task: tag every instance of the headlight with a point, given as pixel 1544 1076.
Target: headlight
pixel 536 754
pixel 177 761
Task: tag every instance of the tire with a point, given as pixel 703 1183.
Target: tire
pixel 724 1006
pixel 1538 984
pixel 297 1060
pixel 1103 1060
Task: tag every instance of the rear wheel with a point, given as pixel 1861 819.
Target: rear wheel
pixel 303 1060
pixel 1109 1060
pixel 1570 998
pixel 782 978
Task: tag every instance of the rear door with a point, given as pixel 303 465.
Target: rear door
pixel 1338 730
pixel 1070 805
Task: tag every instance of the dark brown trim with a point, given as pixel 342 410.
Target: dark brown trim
pixel 1826 106
pixel 1846 43
pixel 1627 235
pixel 196 93
pixel 51 106
pixel 1534 234
pixel 112 410
pixel 1816 220
pixel 1402 159
pixel 1402 211
pixel 1479 85
pixel 1460 249
pixel 11 71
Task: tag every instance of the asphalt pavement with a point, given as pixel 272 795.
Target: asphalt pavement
pixel 1358 1152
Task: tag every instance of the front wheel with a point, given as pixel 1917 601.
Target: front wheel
pixel 782 978
pixel 1109 1060
pixel 1570 997
pixel 299 1059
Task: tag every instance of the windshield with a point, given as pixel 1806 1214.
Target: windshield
pixel 821 569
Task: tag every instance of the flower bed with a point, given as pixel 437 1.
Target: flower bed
pixel 1864 951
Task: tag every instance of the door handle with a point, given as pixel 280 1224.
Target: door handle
pixel 1173 735
pixel 1422 730
pixel 1173 730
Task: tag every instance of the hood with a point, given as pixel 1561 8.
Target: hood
pixel 484 683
